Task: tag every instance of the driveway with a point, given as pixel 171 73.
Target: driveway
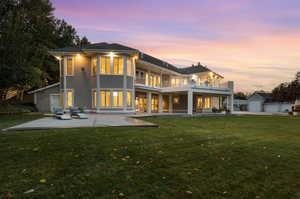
pixel 94 120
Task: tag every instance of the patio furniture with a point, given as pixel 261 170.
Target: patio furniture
pixel 78 113
pixel 59 114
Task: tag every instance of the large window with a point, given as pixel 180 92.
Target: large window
pixel 69 98
pixel 129 99
pixel 118 66
pixel 207 102
pixel 175 82
pixel 70 66
pixel 94 99
pixel 129 66
pixel 199 102
pixel 105 98
pixel 105 65
pixel 94 66
pixel 117 98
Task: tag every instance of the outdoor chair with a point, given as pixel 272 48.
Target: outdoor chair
pixel 60 114
pixel 78 113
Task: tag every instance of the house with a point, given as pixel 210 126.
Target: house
pixel 262 102
pixel 113 78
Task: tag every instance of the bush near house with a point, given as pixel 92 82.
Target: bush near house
pixel 16 108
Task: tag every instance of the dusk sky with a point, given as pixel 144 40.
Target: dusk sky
pixel 255 43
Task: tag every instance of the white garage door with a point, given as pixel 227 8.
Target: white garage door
pixel 255 106
pixel 54 101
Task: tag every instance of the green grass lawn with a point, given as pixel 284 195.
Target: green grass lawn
pixel 209 157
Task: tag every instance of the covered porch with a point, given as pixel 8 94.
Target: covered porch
pixel 190 101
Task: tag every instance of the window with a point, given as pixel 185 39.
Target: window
pixel 158 81
pixel 154 103
pixel 199 102
pixel 94 99
pixel 185 81
pixel 70 66
pixel 129 99
pixel 117 98
pixel 69 98
pixel 151 80
pixel 118 65
pixel 94 66
pixel 129 66
pixel 175 82
pixel 207 102
pixel 147 79
pixel 105 65
pixel 105 98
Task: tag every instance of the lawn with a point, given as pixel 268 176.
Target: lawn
pixel 209 157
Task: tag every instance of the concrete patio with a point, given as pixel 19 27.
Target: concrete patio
pixel 94 120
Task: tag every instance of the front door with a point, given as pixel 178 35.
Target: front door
pixel 54 101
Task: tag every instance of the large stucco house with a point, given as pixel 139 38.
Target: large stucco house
pixel 113 78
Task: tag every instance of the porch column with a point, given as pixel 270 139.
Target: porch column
pixel 170 104
pixel 149 97
pixel 230 99
pixel 160 103
pixel 65 83
pixel 125 83
pixel 98 83
pixel 190 102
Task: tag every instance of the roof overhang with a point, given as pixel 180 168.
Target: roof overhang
pixel 44 88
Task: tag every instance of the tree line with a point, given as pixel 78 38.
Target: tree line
pixel 28 29
pixel 288 91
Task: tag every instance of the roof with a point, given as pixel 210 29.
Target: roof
pixel 264 95
pixel 142 56
pixel 95 46
pixel 166 65
pixel 44 88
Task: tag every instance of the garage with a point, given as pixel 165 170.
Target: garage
pixel 255 106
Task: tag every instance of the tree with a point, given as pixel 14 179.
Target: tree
pixel 28 30
pixel 240 96
pixel 287 92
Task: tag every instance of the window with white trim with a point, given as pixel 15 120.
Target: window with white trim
pixel 70 66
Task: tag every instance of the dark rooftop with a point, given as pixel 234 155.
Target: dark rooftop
pixel 145 57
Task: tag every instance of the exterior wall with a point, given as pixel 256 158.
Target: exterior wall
pixel 43 99
pixel 82 83
pixel 277 107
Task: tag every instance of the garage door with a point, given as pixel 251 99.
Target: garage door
pixel 54 101
pixel 255 106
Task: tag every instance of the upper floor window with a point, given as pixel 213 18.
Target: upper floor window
pixel 118 65
pixel 129 67
pixel 175 82
pixel 70 66
pixel 94 66
pixel 105 65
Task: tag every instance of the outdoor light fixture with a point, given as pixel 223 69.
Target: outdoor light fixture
pixel 58 58
pixel 111 54
pixel 78 56
pixel 115 94
pixel 176 100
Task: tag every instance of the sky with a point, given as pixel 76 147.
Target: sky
pixel 255 43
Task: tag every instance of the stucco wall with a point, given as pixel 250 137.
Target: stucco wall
pixel 43 99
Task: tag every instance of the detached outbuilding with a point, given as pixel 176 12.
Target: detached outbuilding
pixel 46 98
pixel 262 102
